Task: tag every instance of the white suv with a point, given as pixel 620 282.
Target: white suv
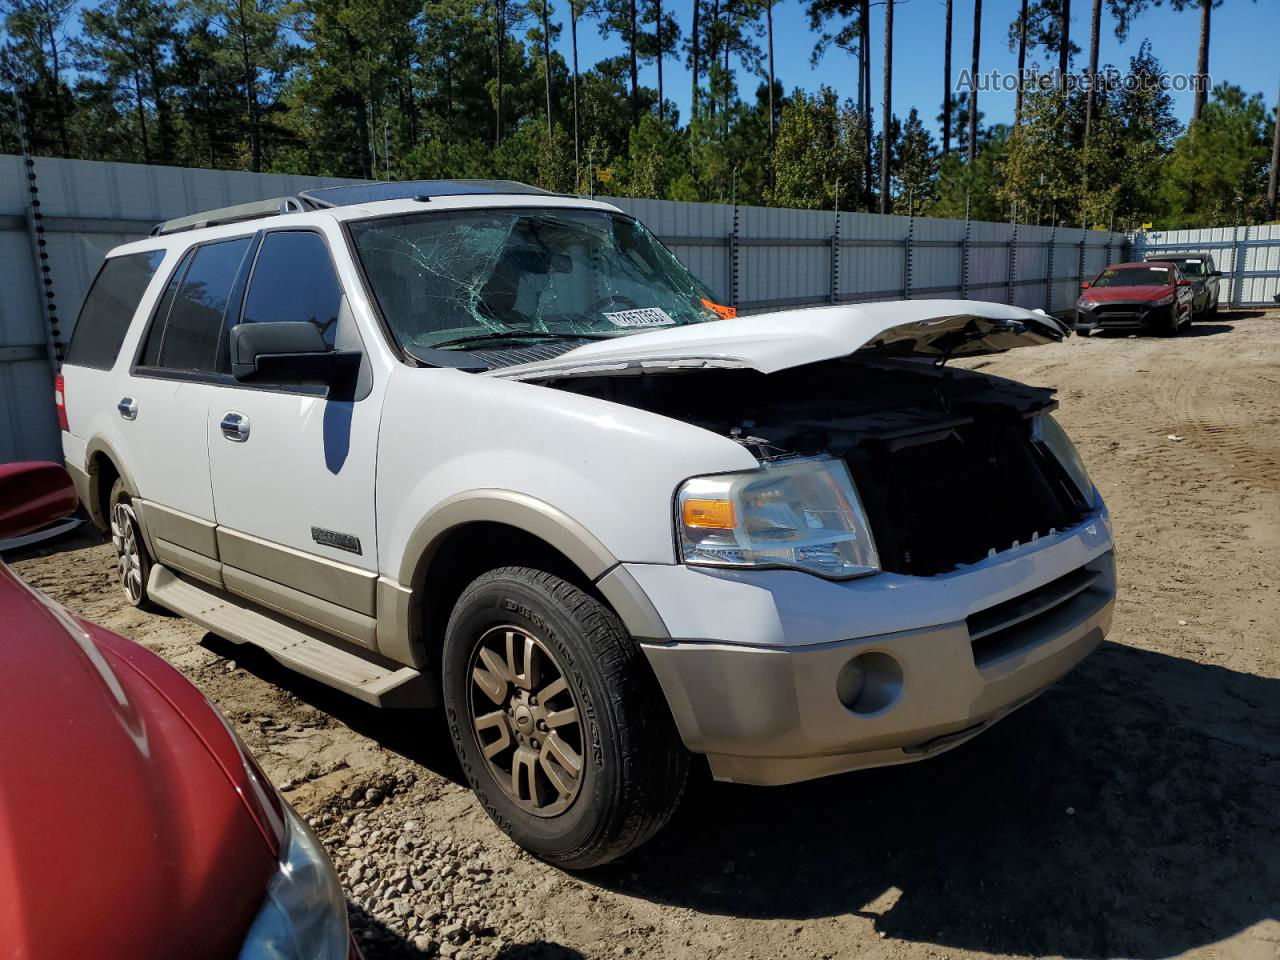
pixel 473 444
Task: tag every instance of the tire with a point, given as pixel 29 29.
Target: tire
pixel 632 766
pixel 1173 325
pixel 133 565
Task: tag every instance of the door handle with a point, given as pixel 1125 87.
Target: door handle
pixel 235 427
pixel 128 408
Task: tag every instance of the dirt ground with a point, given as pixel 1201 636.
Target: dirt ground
pixel 1131 811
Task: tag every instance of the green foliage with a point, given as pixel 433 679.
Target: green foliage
pixel 482 88
pixel 819 142
pixel 1050 173
pixel 1218 171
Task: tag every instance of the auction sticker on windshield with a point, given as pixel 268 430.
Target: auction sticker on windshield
pixel 642 317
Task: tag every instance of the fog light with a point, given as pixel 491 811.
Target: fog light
pixel 869 683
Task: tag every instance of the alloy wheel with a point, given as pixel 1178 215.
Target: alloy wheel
pixel 128 558
pixel 526 720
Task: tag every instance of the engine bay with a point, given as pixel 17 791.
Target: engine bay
pixel 945 460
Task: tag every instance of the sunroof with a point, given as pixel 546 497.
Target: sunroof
pixel 357 193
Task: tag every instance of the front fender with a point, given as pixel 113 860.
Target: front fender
pixel 593 478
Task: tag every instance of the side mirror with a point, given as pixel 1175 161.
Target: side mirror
pixel 1184 282
pixel 33 495
pixel 1215 273
pixel 1086 285
pixel 287 352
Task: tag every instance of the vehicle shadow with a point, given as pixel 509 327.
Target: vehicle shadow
pixel 1200 328
pixel 379 942
pixel 1128 811
pixel 417 735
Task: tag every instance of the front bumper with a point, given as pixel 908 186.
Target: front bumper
pixel 773 714
pixel 1123 316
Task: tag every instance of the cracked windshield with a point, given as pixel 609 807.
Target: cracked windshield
pixel 464 279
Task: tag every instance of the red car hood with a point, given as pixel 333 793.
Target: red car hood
pixel 1125 294
pixel 129 826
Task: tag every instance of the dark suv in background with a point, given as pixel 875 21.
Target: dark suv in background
pixel 1203 273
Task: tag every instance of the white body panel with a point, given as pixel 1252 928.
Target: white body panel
pixel 787 609
pixel 309 461
pixel 611 468
pixel 769 342
pixel 165 448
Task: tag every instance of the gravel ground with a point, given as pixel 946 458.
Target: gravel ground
pixel 1130 811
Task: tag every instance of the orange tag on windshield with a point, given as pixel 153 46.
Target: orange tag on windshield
pixel 726 313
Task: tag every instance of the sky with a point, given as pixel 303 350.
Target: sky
pixel 1244 42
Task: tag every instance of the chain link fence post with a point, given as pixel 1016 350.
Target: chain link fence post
pixel 39 248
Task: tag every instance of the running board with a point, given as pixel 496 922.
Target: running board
pixel 311 652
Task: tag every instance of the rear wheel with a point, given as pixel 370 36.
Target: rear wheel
pixel 133 566
pixel 561 728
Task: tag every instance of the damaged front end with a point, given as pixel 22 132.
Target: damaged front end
pixel 950 466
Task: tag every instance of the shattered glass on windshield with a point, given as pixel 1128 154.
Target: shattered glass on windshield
pixel 447 280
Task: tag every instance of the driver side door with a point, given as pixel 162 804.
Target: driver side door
pixel 292 465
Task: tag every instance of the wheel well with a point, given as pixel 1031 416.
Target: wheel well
pixel 464 553
pixel 102 477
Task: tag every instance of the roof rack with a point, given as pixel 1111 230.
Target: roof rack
pixel 344 195
pixel 356 193
pixel 241 211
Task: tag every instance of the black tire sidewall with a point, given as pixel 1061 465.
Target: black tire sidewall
pixel 508 599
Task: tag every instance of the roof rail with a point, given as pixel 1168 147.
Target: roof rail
pixel 341 196
pixel 370 192
pixel 240 212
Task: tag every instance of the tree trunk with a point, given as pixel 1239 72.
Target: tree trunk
pixel 1064 45
pixel 864 44
pixel 250 92
pixel 362 132
pixel 1022 64
pixel 1202 61
pixel 1275 164
pixel 1092 95
pixel 635 66
pixel 694 51
pixel 546 64
pixel 886 146
pixel 164 117
pixel 59 105
pixel 500 13
pixel 973 91
pixel 657 32
pixel 946 83
pixel 768 14
pixel 573 34
pixel 142 116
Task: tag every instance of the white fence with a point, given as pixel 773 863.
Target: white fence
pixel 1249 258
pixel 760 258
pixel 753 258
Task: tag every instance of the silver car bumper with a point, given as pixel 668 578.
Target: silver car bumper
pixel 773 716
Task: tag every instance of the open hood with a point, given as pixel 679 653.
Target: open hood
pixel 791 338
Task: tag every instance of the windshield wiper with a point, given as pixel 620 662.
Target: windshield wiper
pixel 517 335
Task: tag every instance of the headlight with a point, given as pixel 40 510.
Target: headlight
pixel 1047 432
pixel 305 914
pixel 802 514
pixel 1164 302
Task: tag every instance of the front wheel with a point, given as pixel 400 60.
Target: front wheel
pixel 560 726
pixel 133 566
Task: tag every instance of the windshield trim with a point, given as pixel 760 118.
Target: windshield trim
pixel 465 360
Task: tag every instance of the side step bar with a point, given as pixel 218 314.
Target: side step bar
pixel 311 652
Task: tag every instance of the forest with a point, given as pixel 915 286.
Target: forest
pixel 406 89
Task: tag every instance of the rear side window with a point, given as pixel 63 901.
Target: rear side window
pixel 109 307
pixel 294 280
pixel 189 322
